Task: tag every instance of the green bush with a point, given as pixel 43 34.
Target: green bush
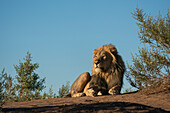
pixel 28 84
pixel 64 90
pixel 151 65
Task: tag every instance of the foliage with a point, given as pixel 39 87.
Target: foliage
pixel 64 90
pixel 44 96
pixel 151 66
pixel 28 84
pixel 2 94
pixel 9 88
pixel 51 93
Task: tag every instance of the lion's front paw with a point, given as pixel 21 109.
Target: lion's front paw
pixel 99 93
pixel 91 93
pixel 114 90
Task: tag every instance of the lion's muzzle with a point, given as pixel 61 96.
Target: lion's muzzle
pixel 98 67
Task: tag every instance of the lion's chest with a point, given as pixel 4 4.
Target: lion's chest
pixel 112 81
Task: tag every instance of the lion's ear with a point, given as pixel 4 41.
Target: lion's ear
pixel 113 50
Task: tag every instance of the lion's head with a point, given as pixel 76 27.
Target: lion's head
pixel 103 58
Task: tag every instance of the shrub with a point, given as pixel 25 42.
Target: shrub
pixel 151 66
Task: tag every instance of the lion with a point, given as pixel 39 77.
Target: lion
pixel 107 74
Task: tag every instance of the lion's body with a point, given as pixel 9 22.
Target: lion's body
pixel 107 74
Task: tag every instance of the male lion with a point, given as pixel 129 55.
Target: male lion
pixel 107 74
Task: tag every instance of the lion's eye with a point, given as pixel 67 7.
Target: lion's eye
pixel 103 57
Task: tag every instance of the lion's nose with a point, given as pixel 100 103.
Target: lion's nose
pixel 97 62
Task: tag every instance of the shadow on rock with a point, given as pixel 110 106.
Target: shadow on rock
pixel 94 107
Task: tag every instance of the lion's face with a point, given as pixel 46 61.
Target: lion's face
pixel 101 61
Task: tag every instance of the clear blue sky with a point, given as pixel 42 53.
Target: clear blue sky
pixel 62 34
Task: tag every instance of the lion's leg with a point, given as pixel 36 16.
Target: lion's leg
pixel 79 85
pixel 96 86
pixel 89 91
pixel 115 90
